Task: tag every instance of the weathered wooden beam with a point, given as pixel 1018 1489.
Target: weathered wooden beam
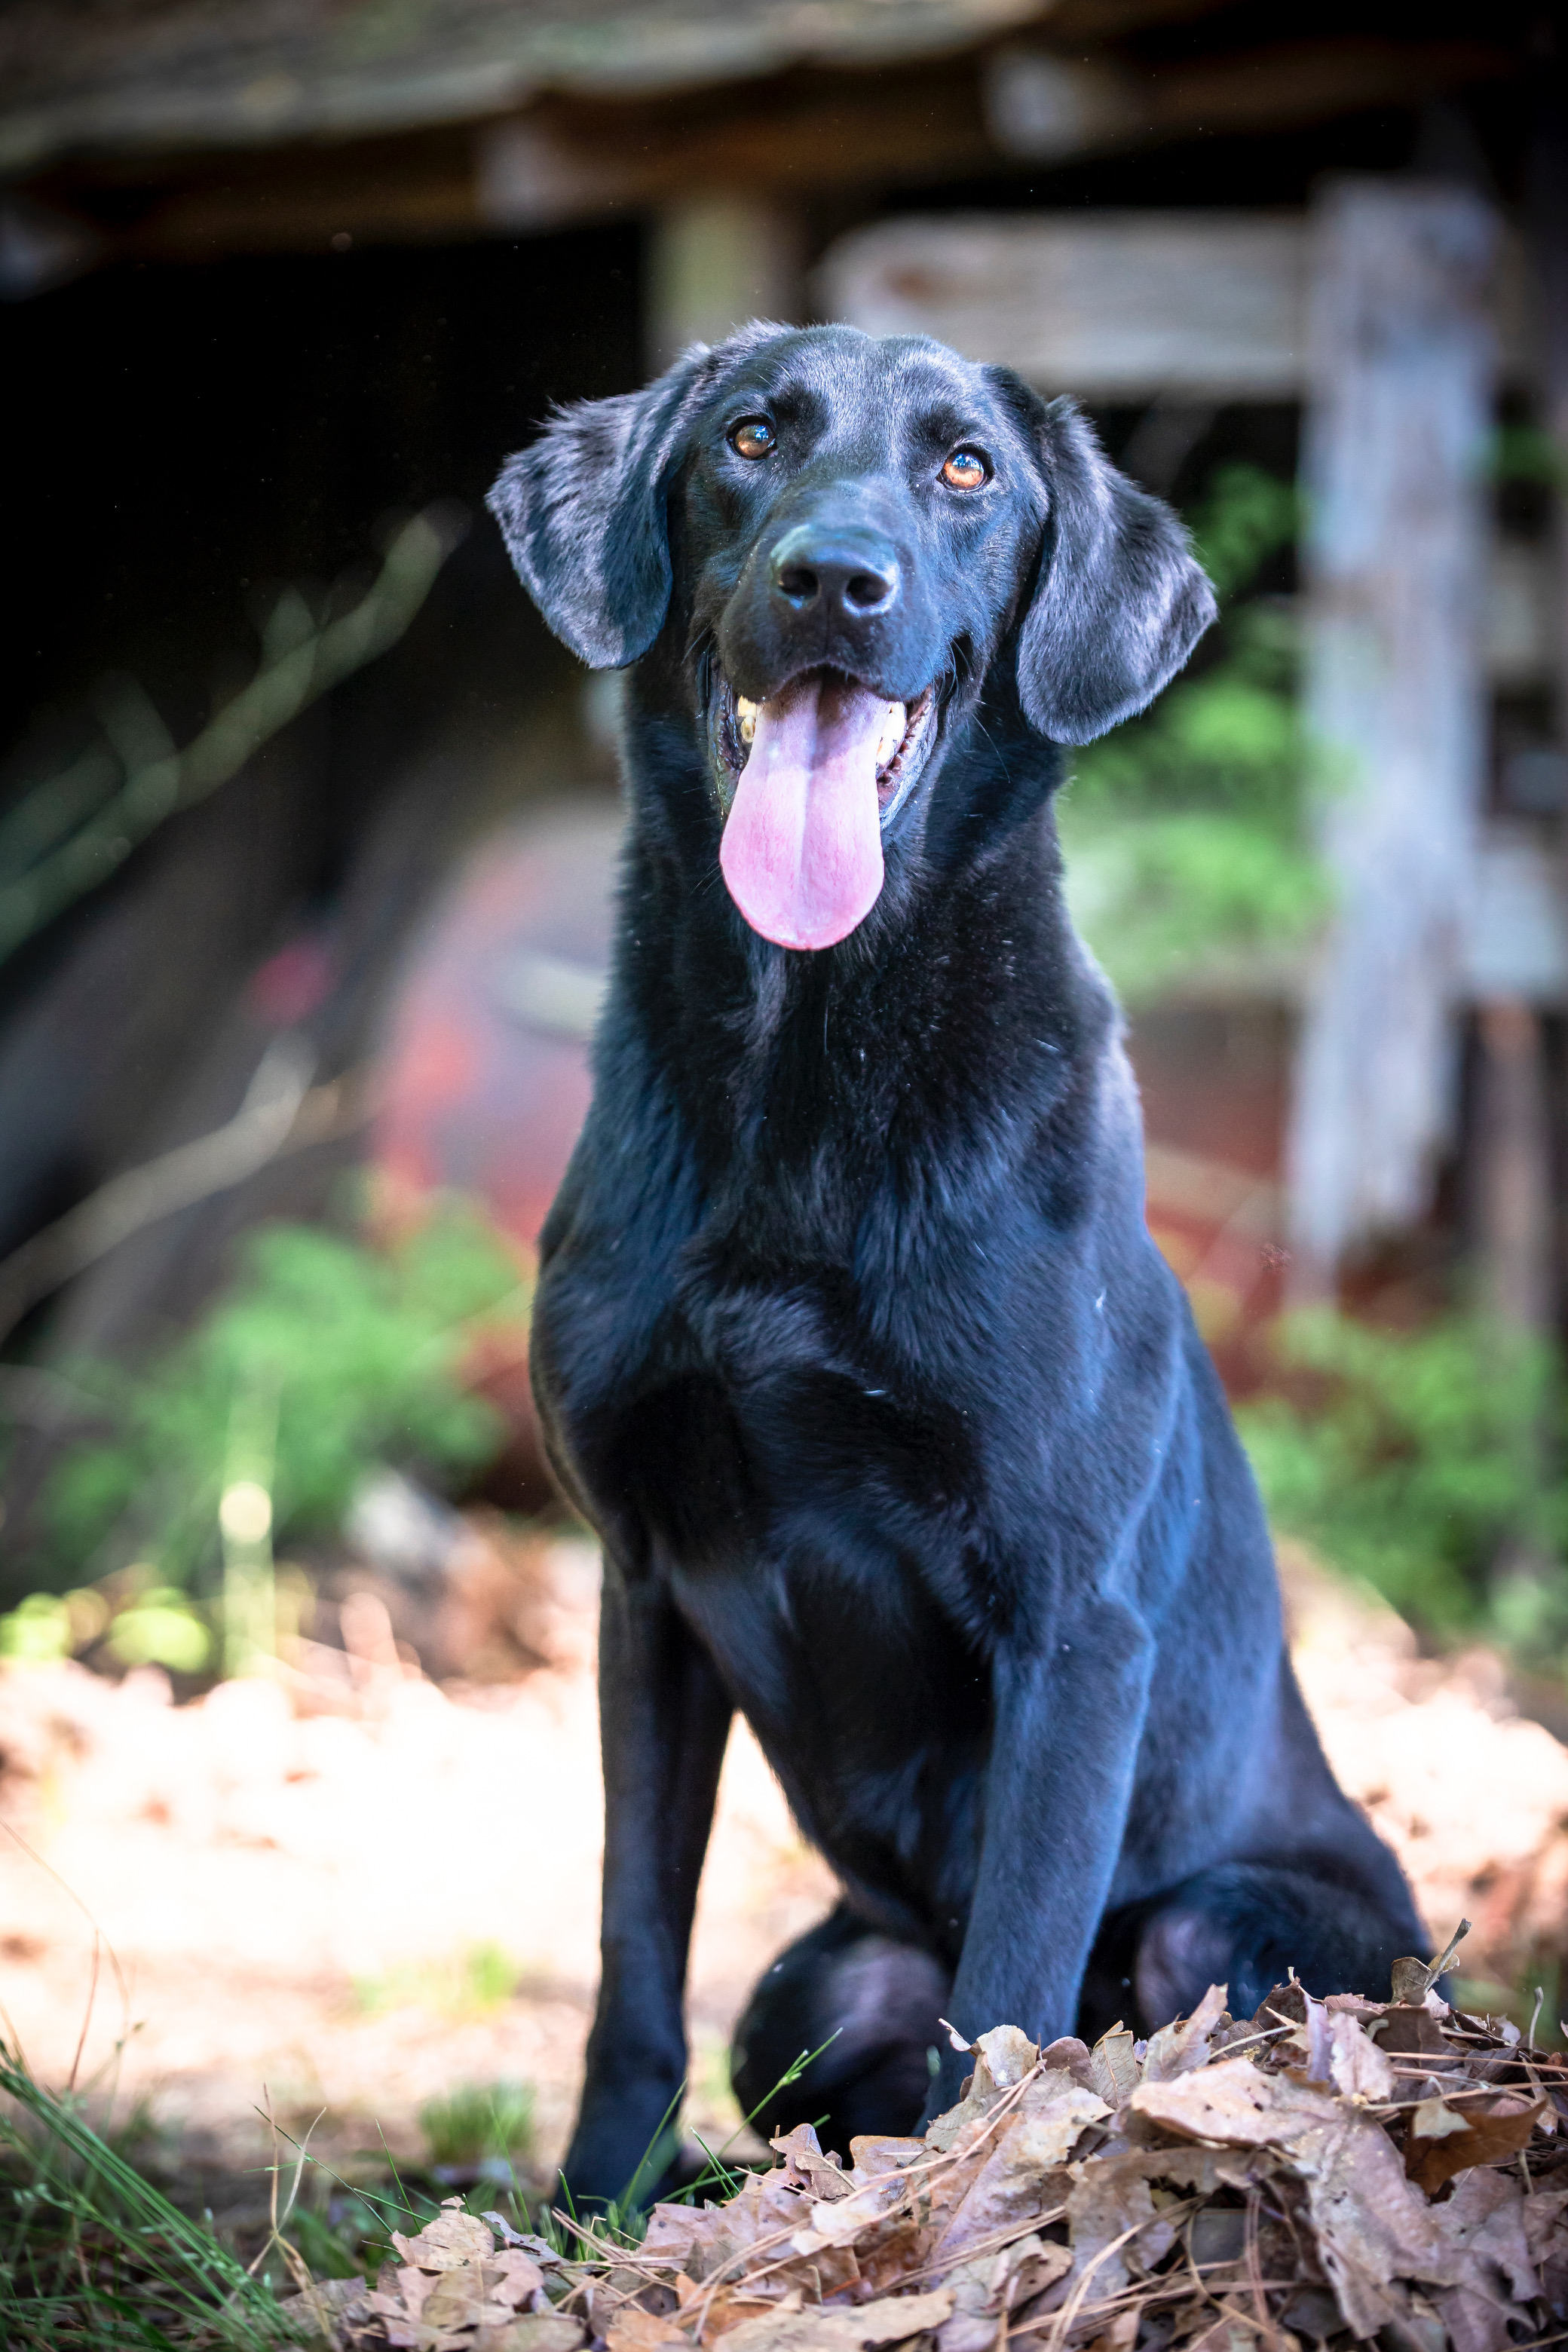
pixel 562 163
pixel 1402 356
pixel 599 147
pixel 1047 106
pixel 1113 306
pixel 163 79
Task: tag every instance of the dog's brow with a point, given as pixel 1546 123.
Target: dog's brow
pixel 788 396
pixel 946 423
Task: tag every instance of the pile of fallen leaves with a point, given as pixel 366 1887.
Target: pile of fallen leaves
pixel 1323 2171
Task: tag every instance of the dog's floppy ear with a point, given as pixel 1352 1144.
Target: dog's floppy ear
pixel 1120 601
pixel 583 513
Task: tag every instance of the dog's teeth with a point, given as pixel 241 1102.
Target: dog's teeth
pixel 893 733
pixel 746 717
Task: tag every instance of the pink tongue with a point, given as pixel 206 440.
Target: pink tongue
pixel 801 852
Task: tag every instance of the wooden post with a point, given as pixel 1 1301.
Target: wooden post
pixel 715 261
pixel 1401 370
pixel 1513 1168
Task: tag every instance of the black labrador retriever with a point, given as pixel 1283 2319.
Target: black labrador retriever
pixel 851 1340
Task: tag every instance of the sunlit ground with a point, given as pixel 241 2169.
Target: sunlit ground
pixel 355 1891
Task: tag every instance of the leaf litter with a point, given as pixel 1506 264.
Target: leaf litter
pixel 1324 2173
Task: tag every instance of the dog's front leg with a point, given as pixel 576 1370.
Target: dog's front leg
pixel 663 1721
pixel 1068 1723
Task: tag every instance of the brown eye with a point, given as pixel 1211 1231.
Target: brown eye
pixel 965 470
pixel 753 437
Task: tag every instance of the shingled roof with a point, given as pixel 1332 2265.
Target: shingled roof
pixel 83 76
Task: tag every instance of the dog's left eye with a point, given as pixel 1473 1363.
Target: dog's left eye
pixel 753 437
pixel 965 470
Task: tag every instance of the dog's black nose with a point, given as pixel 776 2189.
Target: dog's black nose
pixel 850 571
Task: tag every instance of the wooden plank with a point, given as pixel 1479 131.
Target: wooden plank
pixel 1403 355
pixel 232 74
pixel 1119 305
pixel 1046 105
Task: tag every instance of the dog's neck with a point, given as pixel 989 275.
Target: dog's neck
pixel 952 1025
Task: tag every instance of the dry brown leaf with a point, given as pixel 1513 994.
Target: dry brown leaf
pixel 681 2238
pixel 1356 2065
pixel 870 2156
pixel 1405 2032
pixel 1312 2187
pixel 1113 2068
pixel 891 2258
pixel 400 2294
pixel 326 2305
pixel 1026 2269
pixel 1443 2141
pixel 512 2277
pixel 989 2284
pixel 1485 2218
pixel 1433 2120
pixel 536 2331
pixel 1119 2336
pixel 458 2300
pixel 876 2191
pixel 723 2308
pixel 1008 2054
pixel 1010 2190
pixel 1234 2329
pixel 703 2242
pixel 1068 2055
pixel 636 2330
pixel 1409 1978
pixel 1317 2038
pixel 1231 2101
pixel 806 2167
pixel 1372 2227
pixel 838 2328
pixel 1177 2049
pixel 942 2134
pixel 1472 2322
pixel 1109 2197
pixel 982 2091
pixel 448 2241
pixel 819 2272
pixel 1545 2229
pixel 968 2331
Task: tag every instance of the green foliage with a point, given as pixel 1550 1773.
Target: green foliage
pixel 1529 453
pixel 92 2254
pixel 478 2123
pixel 471 1983
pixel 1245 517
pixel 340 1353
pixel 1186 830
pixel 1424 1462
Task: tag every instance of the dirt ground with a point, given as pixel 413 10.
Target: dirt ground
pixel 350 1890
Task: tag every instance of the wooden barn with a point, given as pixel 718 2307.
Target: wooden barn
pixel 284 282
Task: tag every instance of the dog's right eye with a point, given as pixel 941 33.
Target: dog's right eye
pixel 753 437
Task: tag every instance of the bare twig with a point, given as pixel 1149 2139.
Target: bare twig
pixel 300 664
pixel 281 1112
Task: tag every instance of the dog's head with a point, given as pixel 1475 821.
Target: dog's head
pixel 866 531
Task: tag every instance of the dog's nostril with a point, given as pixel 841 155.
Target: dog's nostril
pixel 868 591
pixel 814 573
pixel 798 583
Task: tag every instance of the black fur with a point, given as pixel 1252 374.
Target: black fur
pixel 851 1340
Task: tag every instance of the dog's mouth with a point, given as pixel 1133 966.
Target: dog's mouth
pixel 807 782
